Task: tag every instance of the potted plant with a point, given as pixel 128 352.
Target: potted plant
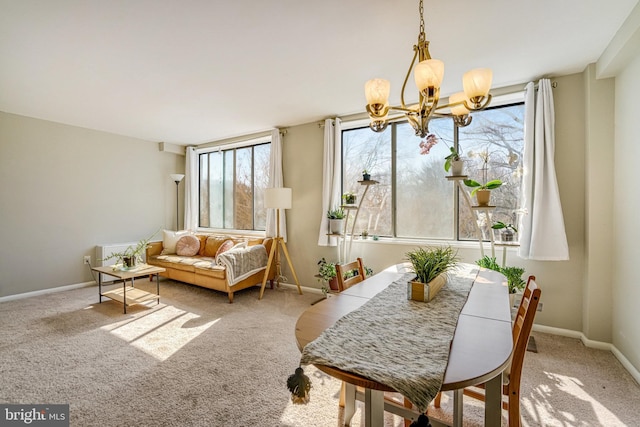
pixel 482 191
pixel 131 256
pixel 327 274
pixel 508 231
pixel 336 220
pixel 349 198
pixel 366 176
pixel 515 282
pixel 454 162
pixel 430 266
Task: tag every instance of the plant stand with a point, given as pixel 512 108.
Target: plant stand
pixel 476 210
pixel 344 246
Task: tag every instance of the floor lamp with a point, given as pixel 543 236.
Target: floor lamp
pixel 177 177
pixel 278 198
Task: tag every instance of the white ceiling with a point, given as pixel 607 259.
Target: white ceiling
pixel 195 71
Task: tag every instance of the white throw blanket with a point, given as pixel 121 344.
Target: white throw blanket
pixel 243 262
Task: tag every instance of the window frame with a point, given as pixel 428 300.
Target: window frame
pixel 503 101
pixel 226 147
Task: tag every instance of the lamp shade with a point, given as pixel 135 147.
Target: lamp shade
pixel 277 198
pixel 429 74
pixel 460 109
pixel 477 82
pixel 377 91
pixel 177 177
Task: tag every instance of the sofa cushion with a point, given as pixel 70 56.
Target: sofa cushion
pixel 212 245
pixel 170 239
pixel 188 245
pixel 203 243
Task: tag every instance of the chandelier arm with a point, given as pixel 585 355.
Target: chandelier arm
pixel 480 104
pixel 406 79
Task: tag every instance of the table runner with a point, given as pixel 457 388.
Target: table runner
pixel 397 342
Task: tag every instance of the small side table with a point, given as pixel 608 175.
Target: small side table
pixel 129 295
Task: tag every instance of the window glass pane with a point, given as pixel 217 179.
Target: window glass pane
pixel 424 198
pixel 364 149
pixel 229 184
pixel 492 147
pixel 261 154
pixel 244 189
pixel 216 189
pixel 204 190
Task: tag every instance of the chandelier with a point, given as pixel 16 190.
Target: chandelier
pixel 428 74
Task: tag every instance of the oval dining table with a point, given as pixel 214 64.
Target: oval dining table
pixel 479 353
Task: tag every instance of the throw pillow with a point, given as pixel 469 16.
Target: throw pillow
pixel 169 240
pixel 228 244
pixel 188 246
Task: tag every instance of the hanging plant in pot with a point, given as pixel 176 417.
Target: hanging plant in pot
pixel 431 266
pixel 482 191
pixel 336 220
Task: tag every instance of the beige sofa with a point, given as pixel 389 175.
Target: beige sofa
pixel 203 269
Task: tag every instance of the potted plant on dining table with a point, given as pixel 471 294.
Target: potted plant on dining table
pixel 431 266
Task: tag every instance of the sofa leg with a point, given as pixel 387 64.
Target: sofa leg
pixel 230 297
pixel 151 277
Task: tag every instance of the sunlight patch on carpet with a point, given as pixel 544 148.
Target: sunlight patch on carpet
pixel 571 403
pixel 162 332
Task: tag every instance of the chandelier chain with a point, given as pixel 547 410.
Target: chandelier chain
pixel 421 36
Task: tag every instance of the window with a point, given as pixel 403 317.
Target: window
pixel 413 198
pixel 232 183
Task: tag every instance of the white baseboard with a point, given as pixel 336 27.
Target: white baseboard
pixel 592 344
pixel 304 288
pixel 47 291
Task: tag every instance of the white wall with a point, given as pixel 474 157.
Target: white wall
pixel 64 189
pixel 626 207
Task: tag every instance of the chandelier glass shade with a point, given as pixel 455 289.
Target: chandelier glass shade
pixel 428 74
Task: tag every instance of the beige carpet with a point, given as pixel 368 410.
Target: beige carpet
pixel 195 360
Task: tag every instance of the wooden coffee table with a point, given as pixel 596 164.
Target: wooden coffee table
pixel 129 295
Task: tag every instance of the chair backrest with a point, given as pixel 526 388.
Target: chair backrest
pixel 355 270
pixel 522 325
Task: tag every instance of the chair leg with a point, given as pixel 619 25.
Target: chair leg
pixel 436 401
pixel 514 409
pixel 407 404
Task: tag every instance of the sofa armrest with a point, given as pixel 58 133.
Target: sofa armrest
pixel 154 249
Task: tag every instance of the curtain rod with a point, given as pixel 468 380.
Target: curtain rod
pixel 235 139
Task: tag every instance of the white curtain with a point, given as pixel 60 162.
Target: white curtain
pixel 276 181
pixel 331 176
pixel 542 232
pixel 191 190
